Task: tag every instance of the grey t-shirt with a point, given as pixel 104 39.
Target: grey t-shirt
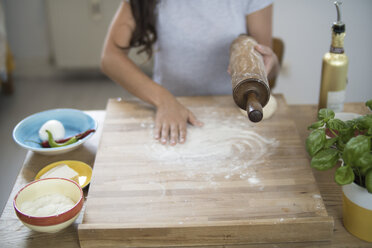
pixel 191 54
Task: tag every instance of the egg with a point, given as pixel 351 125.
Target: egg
pixel 55 127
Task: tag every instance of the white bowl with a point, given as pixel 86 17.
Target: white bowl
pixel 26 132
pixel 344 116
pixel 47 186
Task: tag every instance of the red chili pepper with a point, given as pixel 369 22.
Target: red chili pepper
pixel 79 136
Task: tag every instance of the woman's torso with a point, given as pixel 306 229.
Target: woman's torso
pixel 192 51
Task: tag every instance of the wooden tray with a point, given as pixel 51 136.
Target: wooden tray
pixel 233 182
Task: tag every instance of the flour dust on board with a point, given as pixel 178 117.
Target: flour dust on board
pixel 220 149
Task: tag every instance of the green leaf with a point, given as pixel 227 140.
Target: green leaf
pixel 367 121
pixel 350 123
pixel 316 125
pixel 337 124
pixel 346 135
pixel 325 114
pixel 369 104
pixel 344 175
pixel 330 142
pixel 364 163
pixel 369 132
pixel 315 141
pixel 368 181
pixel 340 144
pixel 325 159
pixel 363 122
pixel 355 148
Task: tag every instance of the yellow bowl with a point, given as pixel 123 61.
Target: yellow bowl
pixel 43 187
pixel 84 171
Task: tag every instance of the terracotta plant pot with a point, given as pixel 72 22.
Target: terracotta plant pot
pixel 357 211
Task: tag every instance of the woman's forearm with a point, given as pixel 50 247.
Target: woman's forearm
pixel 117 66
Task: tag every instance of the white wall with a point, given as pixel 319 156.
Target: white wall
pixel 305 27
pixel 27 30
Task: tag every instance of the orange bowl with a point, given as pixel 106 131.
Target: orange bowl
pixel 43 187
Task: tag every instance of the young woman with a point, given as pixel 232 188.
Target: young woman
pixel 190 42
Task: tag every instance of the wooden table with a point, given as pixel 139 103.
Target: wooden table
pixel 14 234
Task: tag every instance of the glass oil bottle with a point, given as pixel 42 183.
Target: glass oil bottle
pixel 334 69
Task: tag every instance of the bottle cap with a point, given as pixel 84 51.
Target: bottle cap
pixel 338 27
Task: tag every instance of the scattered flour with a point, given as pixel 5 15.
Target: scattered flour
pixel 316 196
pixel 219 149
pixel 253 180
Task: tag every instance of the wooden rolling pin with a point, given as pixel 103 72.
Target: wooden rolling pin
pixel 250 86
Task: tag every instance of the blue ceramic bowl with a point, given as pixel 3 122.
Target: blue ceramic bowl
pixel 74 121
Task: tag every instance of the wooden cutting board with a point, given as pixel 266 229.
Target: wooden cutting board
pixel 231 183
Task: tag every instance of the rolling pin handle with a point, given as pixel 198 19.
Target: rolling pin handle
pixel 254 108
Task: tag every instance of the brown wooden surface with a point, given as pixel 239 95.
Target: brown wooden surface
pixel 139 200
pixel 14 234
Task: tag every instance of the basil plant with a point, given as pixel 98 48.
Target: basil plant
pixel 332 140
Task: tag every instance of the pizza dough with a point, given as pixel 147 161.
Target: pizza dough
pixel 268 110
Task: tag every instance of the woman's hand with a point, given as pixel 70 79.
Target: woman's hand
pixel 171 121
pixel 270 60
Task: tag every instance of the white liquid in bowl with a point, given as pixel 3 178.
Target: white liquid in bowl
pixel 47 205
